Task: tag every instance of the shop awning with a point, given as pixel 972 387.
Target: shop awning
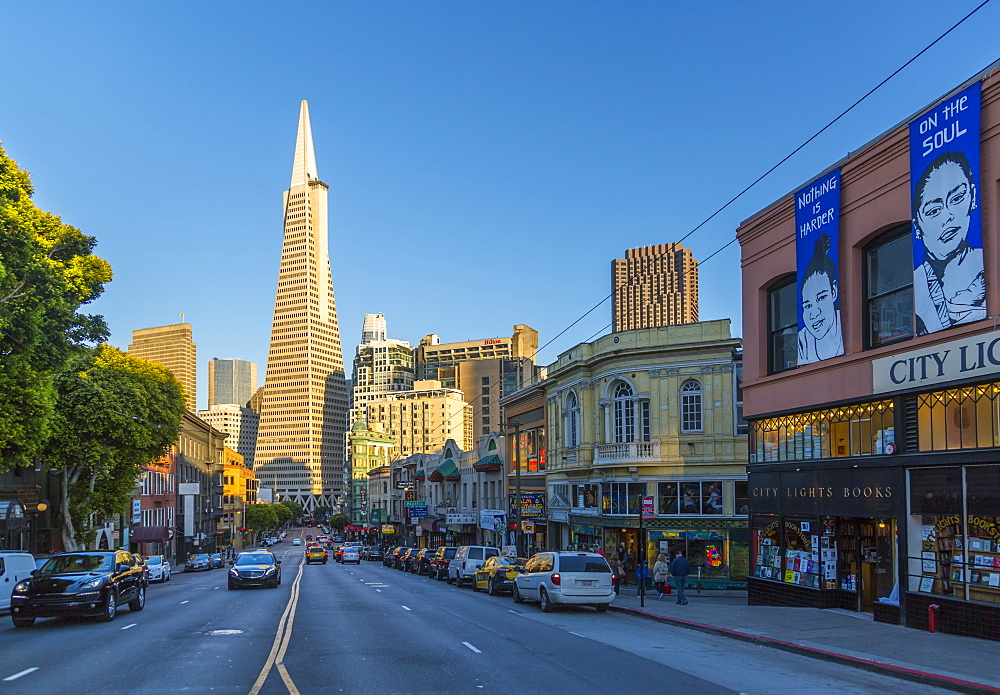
pixel 433 524
pixel 686 535
pixel 419 475
pixel 148 534
pixel 446 471
pixel 488 463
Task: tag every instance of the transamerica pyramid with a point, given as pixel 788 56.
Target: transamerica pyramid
pixel 304 404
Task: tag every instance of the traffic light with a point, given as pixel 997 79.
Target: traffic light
pixel 512 526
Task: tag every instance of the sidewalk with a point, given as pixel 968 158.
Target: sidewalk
pixel 963 664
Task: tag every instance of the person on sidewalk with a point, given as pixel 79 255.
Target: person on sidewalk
pixel 616 567
pixel 660 571
pixel 680 568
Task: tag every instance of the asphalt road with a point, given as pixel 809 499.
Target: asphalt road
pixel 369 629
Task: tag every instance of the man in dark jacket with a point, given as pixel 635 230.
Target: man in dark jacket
pixel 680 568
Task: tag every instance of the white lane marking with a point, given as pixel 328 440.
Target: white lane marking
pixel 215 587
pixel 405 608
pixel 128 626
pixel 472 648
pixel 514 612
pixel 25 672
pixel 183 602
pixel 378 590
pixel 577 634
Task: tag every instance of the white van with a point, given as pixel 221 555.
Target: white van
pixel 468 559
pixel 14 567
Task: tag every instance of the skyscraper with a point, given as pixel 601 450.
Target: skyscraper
pixel 172 347
pixel 654 286
pixel 381 365
pixel 231 381
pixel 303 407
pixel 374 328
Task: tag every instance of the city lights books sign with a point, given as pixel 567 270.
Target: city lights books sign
pixel 817 239
pixel 948 283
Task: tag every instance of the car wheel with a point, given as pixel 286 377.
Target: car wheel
pixel 450 580
pixel 168 577
pixel 459 581
pixel 601 607
pixel 475 584
pixel 545 601
pixel 110 607
pixel 494 587
pixel 516 595
pixel 139 602
pixel 23 622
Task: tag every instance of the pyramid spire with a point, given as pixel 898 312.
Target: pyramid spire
pixel 304 166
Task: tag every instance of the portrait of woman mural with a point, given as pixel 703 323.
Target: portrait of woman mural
pixel 948 286
pixel 820 338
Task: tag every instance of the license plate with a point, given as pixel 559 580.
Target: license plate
pixel 585 582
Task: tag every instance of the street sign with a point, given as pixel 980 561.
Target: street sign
pixel 647 508
pixel 415 512
pixel 402 484
pixel 414 503
pixel 388 528
pixel 528 526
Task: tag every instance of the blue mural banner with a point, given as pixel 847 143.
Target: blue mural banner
pixel 817 240
pixel 949 286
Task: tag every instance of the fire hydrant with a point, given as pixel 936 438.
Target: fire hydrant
pixel 932 617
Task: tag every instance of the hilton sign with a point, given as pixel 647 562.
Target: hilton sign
pixel 968 358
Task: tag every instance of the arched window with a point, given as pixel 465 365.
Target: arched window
pixel 572 420
pixel 623 426
pixel 691 406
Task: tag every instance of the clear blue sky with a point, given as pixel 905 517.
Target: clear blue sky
pixel 486 160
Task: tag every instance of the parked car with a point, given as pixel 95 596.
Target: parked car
pixel 296 541
pixel 395 556
pixel 159 568
pixel 468 559
pixel 388 558
pixel 497 574
pixel 439 563
pixel 375 553
pixel 405 561
pixel 217 561
pixel 255 569
pixel 315 553
pixel 199 562
pixel 555 578
pixel 422 562
pixel 82 583
pixel 350 554
pixel 14 567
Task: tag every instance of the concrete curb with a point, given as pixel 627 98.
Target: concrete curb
pixel 901 672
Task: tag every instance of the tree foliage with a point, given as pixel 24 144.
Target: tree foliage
pixel 260 516
pixel 115 413
pixel 282 511
pixel 338 521
pixel 295 508
pixel 47 271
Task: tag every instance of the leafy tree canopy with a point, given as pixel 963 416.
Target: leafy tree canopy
pixel 260 516
pixel 47 271
pixel 338 521
pixel 294 507
pixel 282 511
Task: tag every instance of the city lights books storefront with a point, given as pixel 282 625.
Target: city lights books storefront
pixel 890 505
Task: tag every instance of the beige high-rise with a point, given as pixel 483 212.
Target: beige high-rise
pixel 172 347
pixel 303 407
pixel 423 419
pixel 654 286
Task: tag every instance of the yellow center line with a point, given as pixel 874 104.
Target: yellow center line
pixel 281 640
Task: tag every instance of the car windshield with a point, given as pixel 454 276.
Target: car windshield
pixel 255 559
pixel 76 563
pixel 155 560
pixel 584 563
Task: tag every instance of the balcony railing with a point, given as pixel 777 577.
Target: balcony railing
pixel 626 452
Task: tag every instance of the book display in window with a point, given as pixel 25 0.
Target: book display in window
pixel 769 562
pixel 802 565
pixel 982 559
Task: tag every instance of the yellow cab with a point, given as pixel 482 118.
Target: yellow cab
pixel 315 553
pixel 497 574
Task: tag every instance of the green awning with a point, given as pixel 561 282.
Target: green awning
pixel 488 463
pixel 446 471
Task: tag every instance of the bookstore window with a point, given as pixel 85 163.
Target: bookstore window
pixel 888 282
pixel 963 418
pixel 955 532
pixel 864 429
pixel 782 326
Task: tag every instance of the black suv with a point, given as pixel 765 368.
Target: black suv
pixel 260 568
pixel 439 563
pixel 84 583
pixel 422 563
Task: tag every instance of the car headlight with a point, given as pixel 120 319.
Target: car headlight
pixel 270 570
pixel 92 584
pixel 234 572
pixel 21 588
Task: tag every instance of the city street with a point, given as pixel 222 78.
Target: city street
pixel 369 628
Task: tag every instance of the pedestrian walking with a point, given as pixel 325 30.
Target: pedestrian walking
pixel 680 568
pixel 619 570
pixel 660 571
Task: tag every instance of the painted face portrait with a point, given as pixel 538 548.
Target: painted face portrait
pixel 819 297
pixel 943 210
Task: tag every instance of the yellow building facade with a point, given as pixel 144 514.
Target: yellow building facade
pixel 651 413
pixel 239 488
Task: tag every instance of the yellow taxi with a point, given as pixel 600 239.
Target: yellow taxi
pixel 497 574
pixel 315 553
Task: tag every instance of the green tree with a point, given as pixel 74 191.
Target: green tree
pixel 338 521
pixel 47 271
pixel 115 413
pixel 294 507
pixel 260 517
pixel 282 511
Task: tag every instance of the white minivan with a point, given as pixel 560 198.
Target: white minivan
pixel 14 567
pixel 468 559
pixel 566 577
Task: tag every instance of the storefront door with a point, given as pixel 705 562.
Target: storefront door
pixel 867 558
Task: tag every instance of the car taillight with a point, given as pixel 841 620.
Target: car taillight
pixel 463 564
pixel 614 580
pixel 556 579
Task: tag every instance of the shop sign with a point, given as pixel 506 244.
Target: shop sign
pixel 966 358
pixel 528 526
pixel 492 520
pixel 388 529
pixel 532 504
pixel 461 518
pixel 863 492
pixel 136 511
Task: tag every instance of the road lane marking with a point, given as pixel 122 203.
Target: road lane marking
pixel 378 590
pixel 577 634
pixel 281 639
pixel 128 626
pixel 472 648
pixel 514 612
pixel 183 602
pixel 25 672
pixel 405 608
